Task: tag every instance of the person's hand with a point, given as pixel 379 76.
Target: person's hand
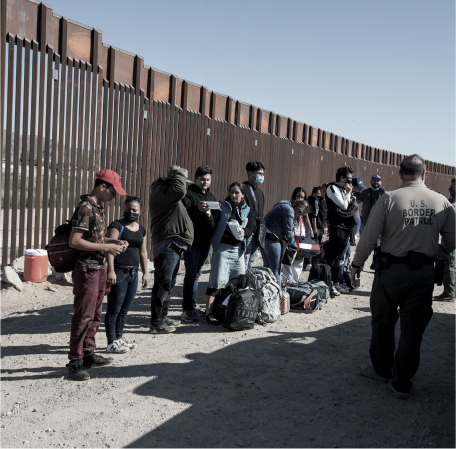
pixel 203 207
pixel 145 280
pixel 112 278
pixel 174 167
pixel 315 232
pixel 355 272
pixel 114 249
pixel 241 232
pixel 348 188
pixel 124 244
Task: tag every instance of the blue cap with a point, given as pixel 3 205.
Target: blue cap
pixel 358 182
pixel 377 176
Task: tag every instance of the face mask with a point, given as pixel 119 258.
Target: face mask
pixel 374 188
pixel 130 216
pixel 258 180
pixel 451 191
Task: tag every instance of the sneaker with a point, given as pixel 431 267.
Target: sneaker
pixel 198 312
pixel 126 344
pixel 334 291
pixel 397 394
pixel 170 322
pixel 343 288
pixel 211 320
pixel 116 347
pixel 94 361
pixel 368 371
pixel 76 371
pixel 188 317
pixel 163 329
pixel 443 297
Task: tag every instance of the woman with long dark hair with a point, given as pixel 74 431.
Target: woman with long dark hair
pixel 234 226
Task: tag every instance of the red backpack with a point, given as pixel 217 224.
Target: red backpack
pixel 61 256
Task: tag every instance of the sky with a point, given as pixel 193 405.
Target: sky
pixel 378 72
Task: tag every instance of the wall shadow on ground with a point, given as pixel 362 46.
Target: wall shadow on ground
pixel 303 389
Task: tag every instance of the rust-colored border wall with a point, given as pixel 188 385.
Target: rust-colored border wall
pixel 87 105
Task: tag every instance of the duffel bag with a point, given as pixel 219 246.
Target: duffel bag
pixel 242 310
pixel 322 289
pixel 304 297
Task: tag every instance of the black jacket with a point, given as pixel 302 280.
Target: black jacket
pixel 202 224
pixel 259 196
pixel 320 214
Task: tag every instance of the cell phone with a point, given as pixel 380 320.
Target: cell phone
pixel 214 205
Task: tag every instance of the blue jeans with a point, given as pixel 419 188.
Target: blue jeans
pixel 272 253
pixel 120 298
pixel 227 263
pixel 344 262
pixel 251 251
pixel 194 261
pixel 166 268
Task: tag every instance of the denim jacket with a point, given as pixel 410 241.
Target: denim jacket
pixel 280 220
pixel 223 220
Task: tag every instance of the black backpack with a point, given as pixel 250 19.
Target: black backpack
pixel 320 272
pixel 242 310
pixel 218 309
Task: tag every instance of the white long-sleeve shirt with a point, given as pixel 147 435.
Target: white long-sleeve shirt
pixel 339 196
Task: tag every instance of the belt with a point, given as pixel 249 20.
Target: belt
pixel 428 260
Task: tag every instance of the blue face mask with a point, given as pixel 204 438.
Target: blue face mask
pixel 259 180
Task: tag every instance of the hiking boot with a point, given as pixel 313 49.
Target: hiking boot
pixel 76 371
pixel 116 347
pixel 162 329
pixel 126 344
pixel 211 320
pixel 397 394
pixel 368 371
pixel 170 322
pixel 444 297
pixel 94 361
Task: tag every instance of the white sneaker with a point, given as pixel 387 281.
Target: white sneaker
pixel 116 348
pixel 126 344
pixel 334 290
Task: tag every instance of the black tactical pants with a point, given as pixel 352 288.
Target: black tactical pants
pixel 411 291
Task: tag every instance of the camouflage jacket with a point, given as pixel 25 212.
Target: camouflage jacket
pixel 85 212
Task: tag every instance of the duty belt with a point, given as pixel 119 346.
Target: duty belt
pixel 428 260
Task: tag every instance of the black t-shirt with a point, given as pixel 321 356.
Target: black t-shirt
pixel 135 239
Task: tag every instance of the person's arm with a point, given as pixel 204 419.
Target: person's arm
pixel 288 217
pixel 144 262
pixel 447 231
pixel 341 200
pixel 323 209
pixel 358 222
pixel 112 234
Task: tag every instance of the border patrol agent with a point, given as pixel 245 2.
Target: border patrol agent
pixel 409 221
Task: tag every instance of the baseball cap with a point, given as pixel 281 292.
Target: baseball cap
pixel 358 182
pixel 112 178
pixel 377 176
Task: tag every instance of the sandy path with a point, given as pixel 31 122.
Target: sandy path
pixel 294 383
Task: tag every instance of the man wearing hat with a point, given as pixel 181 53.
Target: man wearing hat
pixel 368 197
pixel 358 187
pixel 172 234
pixel 89 273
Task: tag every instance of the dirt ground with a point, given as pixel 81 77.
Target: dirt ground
pixel 294 383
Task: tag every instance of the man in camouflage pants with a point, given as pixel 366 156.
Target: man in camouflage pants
pixel 89 273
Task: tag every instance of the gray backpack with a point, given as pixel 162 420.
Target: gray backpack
pixel 265 281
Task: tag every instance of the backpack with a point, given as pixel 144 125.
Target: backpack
pixel 61 256
pixel 320 272
pixel 242 309
pixel 304 296
pixel 266 282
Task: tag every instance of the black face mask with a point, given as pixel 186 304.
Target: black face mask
pixel 451 191
pixel 130 216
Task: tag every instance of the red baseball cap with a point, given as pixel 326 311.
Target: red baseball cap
pixel 113 178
